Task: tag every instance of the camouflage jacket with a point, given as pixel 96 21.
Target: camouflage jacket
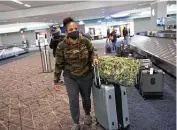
pixel 75 59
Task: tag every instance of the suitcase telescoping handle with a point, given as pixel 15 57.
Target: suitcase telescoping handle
pixel 152 71
pixel 97 80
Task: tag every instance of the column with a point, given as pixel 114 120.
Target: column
pixel 158 15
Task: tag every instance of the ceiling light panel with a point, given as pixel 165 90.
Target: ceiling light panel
pixel 81 22
pixel 18 2
pixel 27 5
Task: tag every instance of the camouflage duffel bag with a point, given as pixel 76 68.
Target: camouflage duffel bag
pixel 118 70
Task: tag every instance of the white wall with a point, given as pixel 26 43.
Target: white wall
pixel 9 39
pixel 98 27
pixel 142 24
pixel 103 27
pixel 31 37
pixel 81 28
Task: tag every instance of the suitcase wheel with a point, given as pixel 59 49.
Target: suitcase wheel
pixel 127 128
pixel 96 120
pixel 161 98
pixel 144 98
pixel 140 91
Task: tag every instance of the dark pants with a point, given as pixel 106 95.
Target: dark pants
pixel 74 86
pixel 113 46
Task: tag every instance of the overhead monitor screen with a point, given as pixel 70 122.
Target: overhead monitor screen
pixel 161 22
pixel 62 29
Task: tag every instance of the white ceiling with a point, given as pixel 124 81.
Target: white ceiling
pixel 58 17
pixel 11 6
pixel 77 15
pixel 35 4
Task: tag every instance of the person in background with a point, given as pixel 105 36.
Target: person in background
pixel 56 38
pixel 125 33
pixel 25 42
pixel 75 55
pixel 113 39
pixel 88 37
pixel 108 33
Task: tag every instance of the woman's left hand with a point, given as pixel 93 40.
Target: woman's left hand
pixel 95 61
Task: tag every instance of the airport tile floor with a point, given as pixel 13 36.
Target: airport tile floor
pixel 28 101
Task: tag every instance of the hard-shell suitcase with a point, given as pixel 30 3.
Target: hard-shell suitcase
pixel 118 51
pixel 145 63
pixel 108 48
pixel 151 84
pixel 110 105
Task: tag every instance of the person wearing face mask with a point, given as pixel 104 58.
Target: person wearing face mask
pixel 75 56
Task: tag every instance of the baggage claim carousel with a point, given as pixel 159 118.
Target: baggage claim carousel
pixel 161 49
pixel 155 114
pixel 11 51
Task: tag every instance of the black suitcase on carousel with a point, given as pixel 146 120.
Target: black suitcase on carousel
pixel 151 84
pixel 110 104
pixel 124 51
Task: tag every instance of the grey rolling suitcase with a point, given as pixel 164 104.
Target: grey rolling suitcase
pixel 108 48
pixel 151 84
pixel 145 64
pixel 110 105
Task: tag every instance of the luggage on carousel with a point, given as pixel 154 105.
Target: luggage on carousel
pixel 110 104
pixel 145 63
pixel 151 82
pixel 123 50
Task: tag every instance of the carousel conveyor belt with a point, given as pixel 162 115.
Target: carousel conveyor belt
pixel 11 59
pixel 161 51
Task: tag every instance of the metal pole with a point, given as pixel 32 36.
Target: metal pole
pixel 46 58
pixel 39 44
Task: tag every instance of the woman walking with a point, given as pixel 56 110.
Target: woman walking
pixel 75 55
